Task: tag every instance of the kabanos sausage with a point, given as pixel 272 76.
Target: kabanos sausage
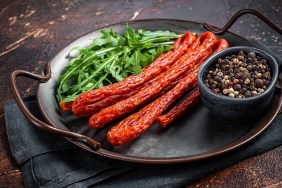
pixel 130 83
pixel 111 100
pixel 137 123
pixel 123 132
pixel 182 65
pixel 179 110
pixel 129 128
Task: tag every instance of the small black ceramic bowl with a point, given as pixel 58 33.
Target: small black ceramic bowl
pixel 237 109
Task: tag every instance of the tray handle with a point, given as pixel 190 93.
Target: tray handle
pixel 36 122
pixel 279 87
pixel 236 16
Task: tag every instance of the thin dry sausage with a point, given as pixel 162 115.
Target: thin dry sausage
pixel 130 128
pixel 137 123
pixel 184 64
pixel 132 82
pixel 179 110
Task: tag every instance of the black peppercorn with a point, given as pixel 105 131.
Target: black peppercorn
pixel 237 87
pixel 259 83
pixel 250 60
pixel 252 55
pixel 240 58
pixel 217 78
pixel 248 94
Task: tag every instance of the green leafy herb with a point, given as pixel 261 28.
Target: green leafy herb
pixel 110 59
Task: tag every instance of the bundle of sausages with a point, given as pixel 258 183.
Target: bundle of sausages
pixel 159 85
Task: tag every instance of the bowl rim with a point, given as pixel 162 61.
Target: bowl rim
pixel 212 59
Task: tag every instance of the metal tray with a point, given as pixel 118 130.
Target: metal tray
pixel 196 136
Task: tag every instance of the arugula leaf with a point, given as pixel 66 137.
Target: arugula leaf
pixel 136 62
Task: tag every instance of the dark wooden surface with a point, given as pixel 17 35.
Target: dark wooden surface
pixel 33 32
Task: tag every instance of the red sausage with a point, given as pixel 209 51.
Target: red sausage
pixel 132 82
pixel 129 129
pixel 184 64
pixel 136 124
pixel 179 110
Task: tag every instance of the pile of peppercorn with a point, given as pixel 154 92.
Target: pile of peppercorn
pixel 239 75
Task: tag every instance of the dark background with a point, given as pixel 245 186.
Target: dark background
pixel 33 32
